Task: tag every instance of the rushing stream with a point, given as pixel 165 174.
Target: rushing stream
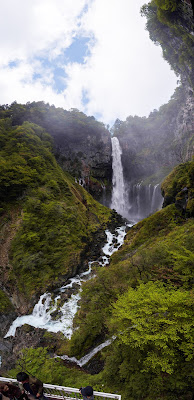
pixel 48 313
pixel 41 316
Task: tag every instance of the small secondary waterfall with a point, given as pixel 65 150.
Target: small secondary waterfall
pixel 144 200
pixel 84 360
pixel 153 203
pixel 119 193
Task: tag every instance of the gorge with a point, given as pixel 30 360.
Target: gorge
pixel 96 246
pixel 132 201
pixel 44 310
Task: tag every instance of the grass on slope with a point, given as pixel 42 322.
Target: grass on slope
pixel 58 217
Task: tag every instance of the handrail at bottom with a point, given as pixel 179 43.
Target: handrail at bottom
pixel 65 389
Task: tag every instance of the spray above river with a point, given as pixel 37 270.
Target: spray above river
pixel 134 201
pixel 119 192
pixel 56 312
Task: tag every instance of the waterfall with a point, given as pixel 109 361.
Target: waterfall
pixel 41 316
pixel 138 199
pixel 153 203
pixel 84 360
pixel 118 193
pixel 149 192
pixel 135 201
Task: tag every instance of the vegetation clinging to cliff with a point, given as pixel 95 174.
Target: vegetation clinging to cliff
pixel 153 349
pixel 57 216
pixel 170 24
pixel 74 124
pixel 144 300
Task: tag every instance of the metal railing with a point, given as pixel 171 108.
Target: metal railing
pixel 65 393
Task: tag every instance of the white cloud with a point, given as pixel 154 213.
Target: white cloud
pixel 34 26
pixel 123 74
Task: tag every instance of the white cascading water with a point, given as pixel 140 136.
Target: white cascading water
pixel 118 202
pixel 84 360
pixel 41 316
pixel 153 203
pixel 138 186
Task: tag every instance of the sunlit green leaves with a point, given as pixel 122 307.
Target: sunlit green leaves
pixel 157 318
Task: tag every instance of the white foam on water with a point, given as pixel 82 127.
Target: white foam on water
pixel 84 360
pixel 41 316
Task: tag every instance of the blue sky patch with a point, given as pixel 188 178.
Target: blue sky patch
pixel 59 79
pixel 36 76
pixel 85 99
pixel 58 72
pixel 98 116
pixel 13 64
pixel 78 50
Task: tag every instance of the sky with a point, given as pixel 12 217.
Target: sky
pixel 93 55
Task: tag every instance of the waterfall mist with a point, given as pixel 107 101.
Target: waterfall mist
pixel 118 202
pixel 134 201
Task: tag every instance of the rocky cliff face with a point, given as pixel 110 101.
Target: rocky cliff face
pixel 88 159
pixel 152 146
pixel 184 128
pixel 82 145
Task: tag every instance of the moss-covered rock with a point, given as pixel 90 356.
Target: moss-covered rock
pixel 5 304
pixel 178 188
pixel 56 219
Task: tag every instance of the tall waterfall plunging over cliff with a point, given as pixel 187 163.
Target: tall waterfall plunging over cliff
pixel 134 201
pixel 118 193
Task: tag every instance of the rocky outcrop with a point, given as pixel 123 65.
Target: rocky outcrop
pixel 184 129
pixel 6 320
pixel 175 191
pixel 152 146
pixel 25 337
pixel 88 159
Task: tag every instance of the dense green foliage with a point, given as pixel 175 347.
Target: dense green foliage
pixel 157 319
pixel 170 24
pixel 57 121
pixel 37 362
pixel 74 133
pixel 5 304
pixel 144 297
pixel 58 217
pixel 25 158
pixel 178 187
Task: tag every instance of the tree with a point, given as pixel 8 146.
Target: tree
pixel 157 320
pixel 168 5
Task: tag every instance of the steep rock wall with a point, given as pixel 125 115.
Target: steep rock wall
pixel 152 146
pixel 88 159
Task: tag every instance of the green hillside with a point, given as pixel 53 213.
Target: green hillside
pixel 50 227
pixel 47 220
pixel 145 298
